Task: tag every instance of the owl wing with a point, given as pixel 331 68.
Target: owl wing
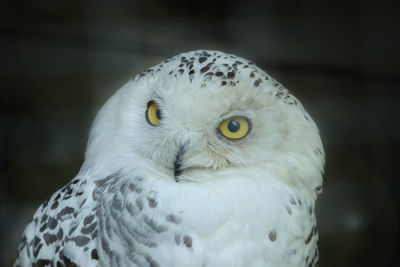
pixel 63 231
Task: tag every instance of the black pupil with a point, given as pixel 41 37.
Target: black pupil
pixel 158 114
pixel 234 126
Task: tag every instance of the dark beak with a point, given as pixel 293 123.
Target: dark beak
pixel 178 162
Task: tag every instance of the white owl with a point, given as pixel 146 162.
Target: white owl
pixel 202 160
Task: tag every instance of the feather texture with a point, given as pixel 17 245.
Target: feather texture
pixel 180 193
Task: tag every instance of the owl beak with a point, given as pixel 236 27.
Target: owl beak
pixel 178 169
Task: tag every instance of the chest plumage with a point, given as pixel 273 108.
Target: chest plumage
pixel 240 219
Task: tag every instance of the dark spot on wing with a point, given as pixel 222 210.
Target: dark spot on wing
pixel 139 203
pixel 65 212
pixel 49 238
pixel 151 261
pixel 52 223
pixel 174 219
pixel 60 234
pixel 88 229
pixel 94 254
pixel 177 239
pixel 88 219
pixel 187 240
pixel 272 235
pixel 152 202
pixel 81 240
pixel 42 263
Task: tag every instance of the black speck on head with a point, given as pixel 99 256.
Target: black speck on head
pixel 202 59
pixel 191 72
pixel 257 82
pixel 219 73
pixel 223 83
pixel 231 75
pixel 204 69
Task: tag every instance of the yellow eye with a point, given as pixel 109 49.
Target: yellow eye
pixel 153 114
pixel 235 128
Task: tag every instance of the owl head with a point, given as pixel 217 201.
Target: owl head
pixel 204 112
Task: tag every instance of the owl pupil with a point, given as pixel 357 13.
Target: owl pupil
pixel 158 114
pixel 234 126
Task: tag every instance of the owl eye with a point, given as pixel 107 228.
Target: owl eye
pixel 153 113
pixel 235 128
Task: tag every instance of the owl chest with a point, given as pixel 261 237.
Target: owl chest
pixel 213 228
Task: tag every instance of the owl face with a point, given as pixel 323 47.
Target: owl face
pixel 206 111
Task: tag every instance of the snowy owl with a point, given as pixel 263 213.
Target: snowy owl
pixel 202 160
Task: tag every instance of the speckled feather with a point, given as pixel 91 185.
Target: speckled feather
pixel 247 203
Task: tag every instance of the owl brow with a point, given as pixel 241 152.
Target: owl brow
pixel 156 98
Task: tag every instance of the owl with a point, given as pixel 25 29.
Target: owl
pixel 202 160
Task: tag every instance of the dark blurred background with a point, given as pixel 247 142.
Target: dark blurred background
pixel 61 60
